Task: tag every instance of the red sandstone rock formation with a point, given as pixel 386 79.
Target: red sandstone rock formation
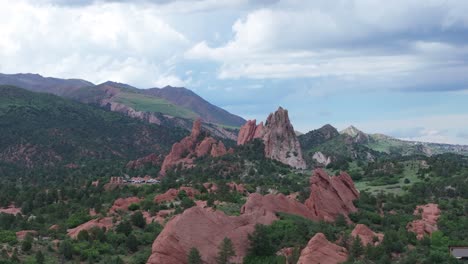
pixel 13 210
pixel 204 229
pixel 101 223
pixel 331 196
pixel 430 213
pixel 320 251
pixel 240 188
pixel 210 187
pixel 249 132
pixel 197 144
pixel 54 228
pixel 213 187
pixel 286 252
pixel 275 203
pixel 72 166
pixel 278 136
pixel 152 159
pixel 21 235
pixel 122 204
pixel 171 194
pixel 367 235
pixel 95 183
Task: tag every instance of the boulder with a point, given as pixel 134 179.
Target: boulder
pixel 319 251
pixel 367 235
pixel 275 203
pixel 204 229
pixel 122 204
pixel 21 235
pixel 171 194
pixel 13 210
pixel 197 144
pixel 279 137
pixel 331 196
pixel 54 228
pixel 106 223
pixel 429 213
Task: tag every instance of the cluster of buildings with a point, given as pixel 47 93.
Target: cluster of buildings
pixel 134 180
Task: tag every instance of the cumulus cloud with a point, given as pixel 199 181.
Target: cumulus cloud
pixel 96 42
pixel 357 39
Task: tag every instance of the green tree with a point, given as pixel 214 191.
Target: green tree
pixel 138 220
pixel 356 248
pixel 124 228
pixel 260 242
pixel 194 256
pixel 26 245
pixel 14 257
pixel 66 249
pixel 226 251
pixel 83 235
pixel 187 203
pixel 40 257
pixel 132 243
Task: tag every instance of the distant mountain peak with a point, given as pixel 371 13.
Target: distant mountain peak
pixel 351 131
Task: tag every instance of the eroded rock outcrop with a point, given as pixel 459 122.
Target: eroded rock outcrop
pixel 152 159
pixel 13 210
pixel 331 196
pixel 429 213
pixel 21 235
pixel 321 159
pixel 106 223
pixel 275 203
pixel 319 251
pixel 366 235
pixel 278 135
pixel 204 229
pixel 197 144
pixel 171 194
pixel 122 204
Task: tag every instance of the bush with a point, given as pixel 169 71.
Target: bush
pixel 138 220
pixel 7 236
pixel 134 207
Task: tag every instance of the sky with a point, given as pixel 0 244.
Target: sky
pixel 396 67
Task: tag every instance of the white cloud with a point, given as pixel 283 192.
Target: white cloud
pixel 342 38
pixel 98 42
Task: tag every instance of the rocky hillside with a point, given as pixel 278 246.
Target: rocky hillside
pixel 169 106
pixel 44 129
pixel 37 83
pixel 326 145
pixel 183 97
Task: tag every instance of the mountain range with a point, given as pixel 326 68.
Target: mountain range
pixel 168 106
pixel 177 107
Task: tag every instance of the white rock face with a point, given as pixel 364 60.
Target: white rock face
pixel 320 158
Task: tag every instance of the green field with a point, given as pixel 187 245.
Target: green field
pixel 145 103
pixel 410 173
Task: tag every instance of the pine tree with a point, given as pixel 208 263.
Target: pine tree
pixel 194 256
pixel 40 257
pixel 226 251
pixel 356 248
pixel 132 243
pixel 138 220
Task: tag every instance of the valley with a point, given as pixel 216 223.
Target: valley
pixel 82 182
